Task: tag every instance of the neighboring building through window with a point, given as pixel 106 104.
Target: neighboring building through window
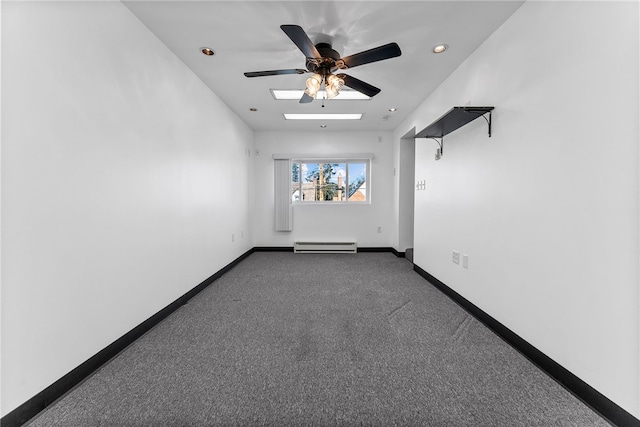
pixel 329 181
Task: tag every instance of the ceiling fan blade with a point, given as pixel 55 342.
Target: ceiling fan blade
pixel 301 39
pixel 274 72
pixel 359 85
pixel 379 53
pixel 305 98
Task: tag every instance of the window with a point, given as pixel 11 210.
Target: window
pixel 337 181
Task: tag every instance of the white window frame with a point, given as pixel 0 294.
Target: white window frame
pixel 366 159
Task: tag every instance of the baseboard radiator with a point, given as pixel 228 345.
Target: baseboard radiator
pixel 325 247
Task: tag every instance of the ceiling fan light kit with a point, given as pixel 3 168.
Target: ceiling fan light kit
pixel 333 85
pixel 322 60
pixel 313 85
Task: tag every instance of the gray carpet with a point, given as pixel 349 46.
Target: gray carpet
pixel 299 339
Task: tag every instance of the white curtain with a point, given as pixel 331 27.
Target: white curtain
pixel 283 211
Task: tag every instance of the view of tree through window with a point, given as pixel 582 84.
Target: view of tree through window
pixel 329 181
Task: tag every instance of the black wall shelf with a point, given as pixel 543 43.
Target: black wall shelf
pixel 452 120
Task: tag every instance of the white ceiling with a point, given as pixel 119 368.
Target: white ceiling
pixel 246 36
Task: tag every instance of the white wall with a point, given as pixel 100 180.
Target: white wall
pixel 403 191
pixel 326 221
pixel 406 193
pixel 547 208
pixel 123 178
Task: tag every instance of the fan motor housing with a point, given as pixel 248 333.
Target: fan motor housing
pixel 330 60
pixel 326 51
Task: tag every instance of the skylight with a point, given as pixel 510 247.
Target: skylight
pixel 330 116
pixel 296 94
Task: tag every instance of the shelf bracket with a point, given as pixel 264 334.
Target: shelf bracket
pixel 483 115
pixel 440 145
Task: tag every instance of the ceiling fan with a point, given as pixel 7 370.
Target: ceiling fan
pixel 322 61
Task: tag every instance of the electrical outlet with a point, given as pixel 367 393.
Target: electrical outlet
pixel 455 257
pixel 465 260
pixel 379 229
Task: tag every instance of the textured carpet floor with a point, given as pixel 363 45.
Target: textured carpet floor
pixel 298 339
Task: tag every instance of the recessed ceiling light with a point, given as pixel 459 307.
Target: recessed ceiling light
pixel 207 51
pixel 253 109
pixel 440 48
pixel 323 126
pixel 292 116
pixel 296 94
pixel 393 109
